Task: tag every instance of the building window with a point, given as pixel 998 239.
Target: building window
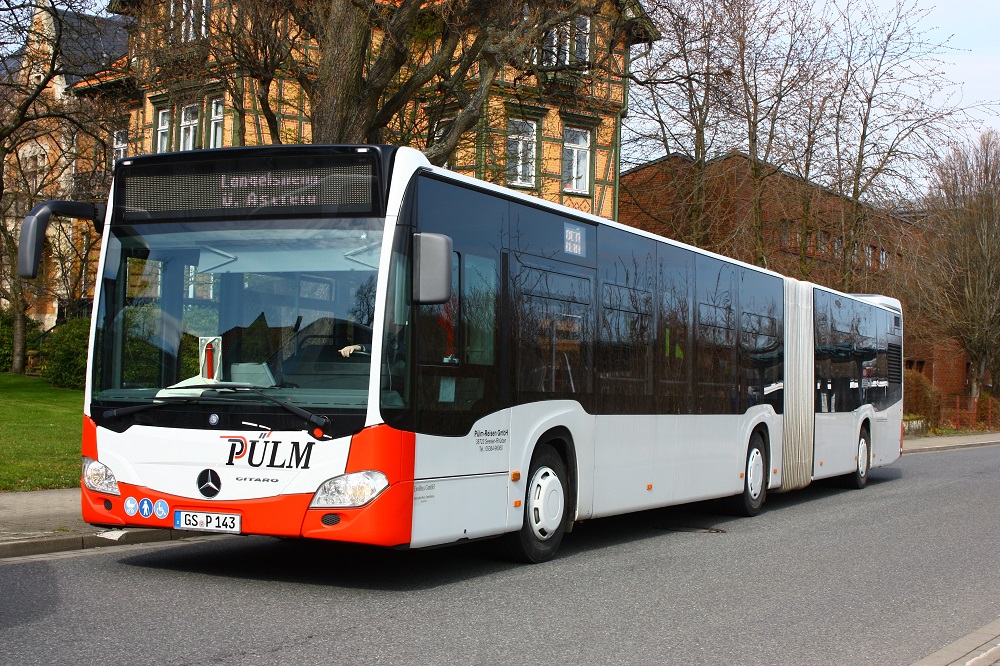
pixel 189 126
pixel 576 160
pixel 189 18
pixel 567 44
pixel 822 243
pixel 440 128
pixel 119 145
pixel 870 253
pixel 35 167
pixel 163 131
pixel 521 147
pixel 215 129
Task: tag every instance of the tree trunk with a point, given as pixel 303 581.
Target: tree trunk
pixel 344 48
pixel 20 331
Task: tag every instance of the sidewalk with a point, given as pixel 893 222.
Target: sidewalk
pixel 48 521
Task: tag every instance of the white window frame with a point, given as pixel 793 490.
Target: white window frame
pixel 216 125
pixel 119 145
pixel 567 44
pixel 522 148
pixel 576 160
pixel 191 16
pixel 163 117
pixel 189 126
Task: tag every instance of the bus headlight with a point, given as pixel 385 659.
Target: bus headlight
pixel 97 476
pixel 349 490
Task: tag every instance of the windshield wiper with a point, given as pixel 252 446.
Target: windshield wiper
pixel 321 422
pixel 132 409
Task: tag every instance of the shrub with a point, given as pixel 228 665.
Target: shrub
pixel 7 337
pixel 921 397
pixel 65 354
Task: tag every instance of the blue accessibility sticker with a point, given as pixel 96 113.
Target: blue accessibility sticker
pixel 145 507
pixel 131 506
pixel 161 509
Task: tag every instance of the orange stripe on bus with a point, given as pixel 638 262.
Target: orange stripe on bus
pixel 89 437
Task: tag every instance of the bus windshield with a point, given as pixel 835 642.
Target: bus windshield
pixel 268 304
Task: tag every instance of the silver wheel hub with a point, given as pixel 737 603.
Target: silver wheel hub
pixel 755 474
pixel 862 457
pixel 546 503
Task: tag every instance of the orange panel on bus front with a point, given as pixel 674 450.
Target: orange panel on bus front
pixel 385 449
pixel 385 521
pixel 89 438
pixel 273 516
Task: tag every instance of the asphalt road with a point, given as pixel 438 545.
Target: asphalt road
pixel 886 575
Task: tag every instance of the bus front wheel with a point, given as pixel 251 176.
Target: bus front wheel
pixel 750 501
pixel 545 509
pixel 859 477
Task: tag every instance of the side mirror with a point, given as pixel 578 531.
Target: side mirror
pixel 29 249
pixel 431 268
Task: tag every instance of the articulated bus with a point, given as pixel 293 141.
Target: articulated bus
pixel 346 343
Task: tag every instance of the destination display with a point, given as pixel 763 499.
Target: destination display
pixel 336 184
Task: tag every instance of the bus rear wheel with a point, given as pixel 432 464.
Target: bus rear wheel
pixel 545 510
pixel 859 477
pixel 750 501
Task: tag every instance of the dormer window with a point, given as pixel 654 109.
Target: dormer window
pixel 568 44
pixel 189 19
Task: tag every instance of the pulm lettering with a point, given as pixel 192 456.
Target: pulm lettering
pixel 269 453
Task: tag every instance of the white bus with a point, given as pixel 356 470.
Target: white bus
pixel 345 343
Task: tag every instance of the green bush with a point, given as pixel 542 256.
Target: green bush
pixel 65 354
pixel 7 337
pixel 921 397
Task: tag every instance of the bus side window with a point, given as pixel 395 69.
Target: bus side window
pixel 438 325
pixel 480 291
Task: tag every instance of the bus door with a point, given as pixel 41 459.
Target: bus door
pixel 461 412
pixel 551 328
pixel 843 349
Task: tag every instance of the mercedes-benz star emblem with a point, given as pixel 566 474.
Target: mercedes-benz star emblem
pixel 209 483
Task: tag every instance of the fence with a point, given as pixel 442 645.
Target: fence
pixel 975 413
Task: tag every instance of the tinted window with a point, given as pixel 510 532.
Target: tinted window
pixel 625 329
pixel 846 358
pixel 459 373
pixel 674 346
pixel 761 340
pixel 715 340
pixel 552 330
pixel 547 234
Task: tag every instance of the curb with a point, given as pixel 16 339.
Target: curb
pixel 60 544
pixel 981 647
pixel 949 447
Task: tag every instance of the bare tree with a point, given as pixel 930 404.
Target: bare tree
pixel 773 52
pixel 256 41
pixel 960 276
pixel 845 95
pixel 678 112
pixel 46 47
pixel 891 105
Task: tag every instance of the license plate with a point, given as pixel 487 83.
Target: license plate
pixel 207 522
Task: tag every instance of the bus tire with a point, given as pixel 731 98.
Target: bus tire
pixel 858 479
pixel 545 510
pixel 749 502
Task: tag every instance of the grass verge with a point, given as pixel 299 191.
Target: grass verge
pixel 40 430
